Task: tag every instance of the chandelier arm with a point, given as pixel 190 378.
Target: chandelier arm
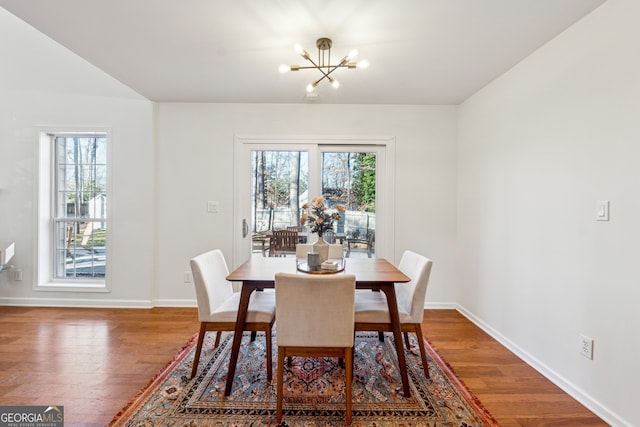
pixel 318 67
pixel 314 67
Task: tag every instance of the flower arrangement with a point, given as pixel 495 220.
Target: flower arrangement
pixel 319 217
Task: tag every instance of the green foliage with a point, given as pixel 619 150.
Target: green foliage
pixel 364 185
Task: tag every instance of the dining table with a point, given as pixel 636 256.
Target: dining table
pixel 377 274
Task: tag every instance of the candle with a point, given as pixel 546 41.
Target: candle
pixel 313 259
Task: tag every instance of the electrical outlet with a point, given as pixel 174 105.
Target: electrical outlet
pixel 17 274
pixel 188 277
pixel 586 347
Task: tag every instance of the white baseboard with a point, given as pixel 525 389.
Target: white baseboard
pixel 75 302
pixel 577 393
pixel 182 303
pixel 441 306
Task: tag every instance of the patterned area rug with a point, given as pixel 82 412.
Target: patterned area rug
pixel 313 390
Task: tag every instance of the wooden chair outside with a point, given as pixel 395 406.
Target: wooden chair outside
pixel 283 242
pixel 259 242
pixel 368 243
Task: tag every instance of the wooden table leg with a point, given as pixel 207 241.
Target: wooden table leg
pixel 397 336
pixel 243 306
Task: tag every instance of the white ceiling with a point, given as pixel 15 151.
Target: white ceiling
pixel 421 51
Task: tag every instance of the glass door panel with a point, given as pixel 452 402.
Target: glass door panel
pixel 349 179
pixel 280 181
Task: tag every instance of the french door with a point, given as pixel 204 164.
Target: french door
pixel 274 177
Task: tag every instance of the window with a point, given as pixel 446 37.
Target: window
pixel 73 210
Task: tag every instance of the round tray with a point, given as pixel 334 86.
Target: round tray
pixel 304 267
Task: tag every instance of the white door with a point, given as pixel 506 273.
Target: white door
pixel 301 168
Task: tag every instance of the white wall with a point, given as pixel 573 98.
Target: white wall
pixel 537 148
pixel 44 85
pixel 167 166
pixel 195 164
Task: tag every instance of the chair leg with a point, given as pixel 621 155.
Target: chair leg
pixel 269 361
pixel 348 380
pixel 423 352
pixel 381 336
pixel 196 357
pixel 217 343
pixel 406 341
pixel 280 385
pixel 254 334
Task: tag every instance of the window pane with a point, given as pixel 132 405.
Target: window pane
pixel 280 184
pixel 349 179
pixel 80 250
pixel 80 207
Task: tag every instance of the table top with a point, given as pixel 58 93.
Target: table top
pixel 269 233
pixel 366 270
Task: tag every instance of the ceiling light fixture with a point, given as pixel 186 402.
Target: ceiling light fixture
pixel 324 63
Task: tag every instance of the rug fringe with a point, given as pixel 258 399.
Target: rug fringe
pixel 177 358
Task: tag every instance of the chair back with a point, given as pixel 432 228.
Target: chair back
pixel 209 277
pixel 411 295
pixel 329 236
pixel 336 251
pixel 302 249
pixel 284 242
pixel 297 228
pixel 315 310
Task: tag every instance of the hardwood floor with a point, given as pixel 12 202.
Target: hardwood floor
pixel 93 361
pixel 515 393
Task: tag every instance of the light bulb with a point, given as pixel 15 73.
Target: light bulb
pixel 298 48
pixel 363 64
pixel 353 54
pixel 310 87
pixel 283 68
pixel 335 83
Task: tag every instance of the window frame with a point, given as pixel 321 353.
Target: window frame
pixel 46 218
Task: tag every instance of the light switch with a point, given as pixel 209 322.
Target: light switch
pixel 602 210
pixel 213 206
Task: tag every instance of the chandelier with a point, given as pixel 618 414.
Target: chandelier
pixel 323 63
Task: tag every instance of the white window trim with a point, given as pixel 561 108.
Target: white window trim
pixel 43 202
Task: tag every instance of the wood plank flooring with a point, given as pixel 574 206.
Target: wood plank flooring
pixel 93 361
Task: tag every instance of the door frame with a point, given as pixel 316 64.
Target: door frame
pixel 385 190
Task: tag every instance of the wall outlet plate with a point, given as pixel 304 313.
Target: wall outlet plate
pixel 188 276
pixel 586 346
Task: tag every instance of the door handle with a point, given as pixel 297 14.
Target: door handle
pixel 245 228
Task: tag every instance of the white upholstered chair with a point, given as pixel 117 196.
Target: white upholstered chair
pixel 218 304
pixel 302 249
pixel 329 236
pixel 372 312
pixel 315 319
pixel 335 250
